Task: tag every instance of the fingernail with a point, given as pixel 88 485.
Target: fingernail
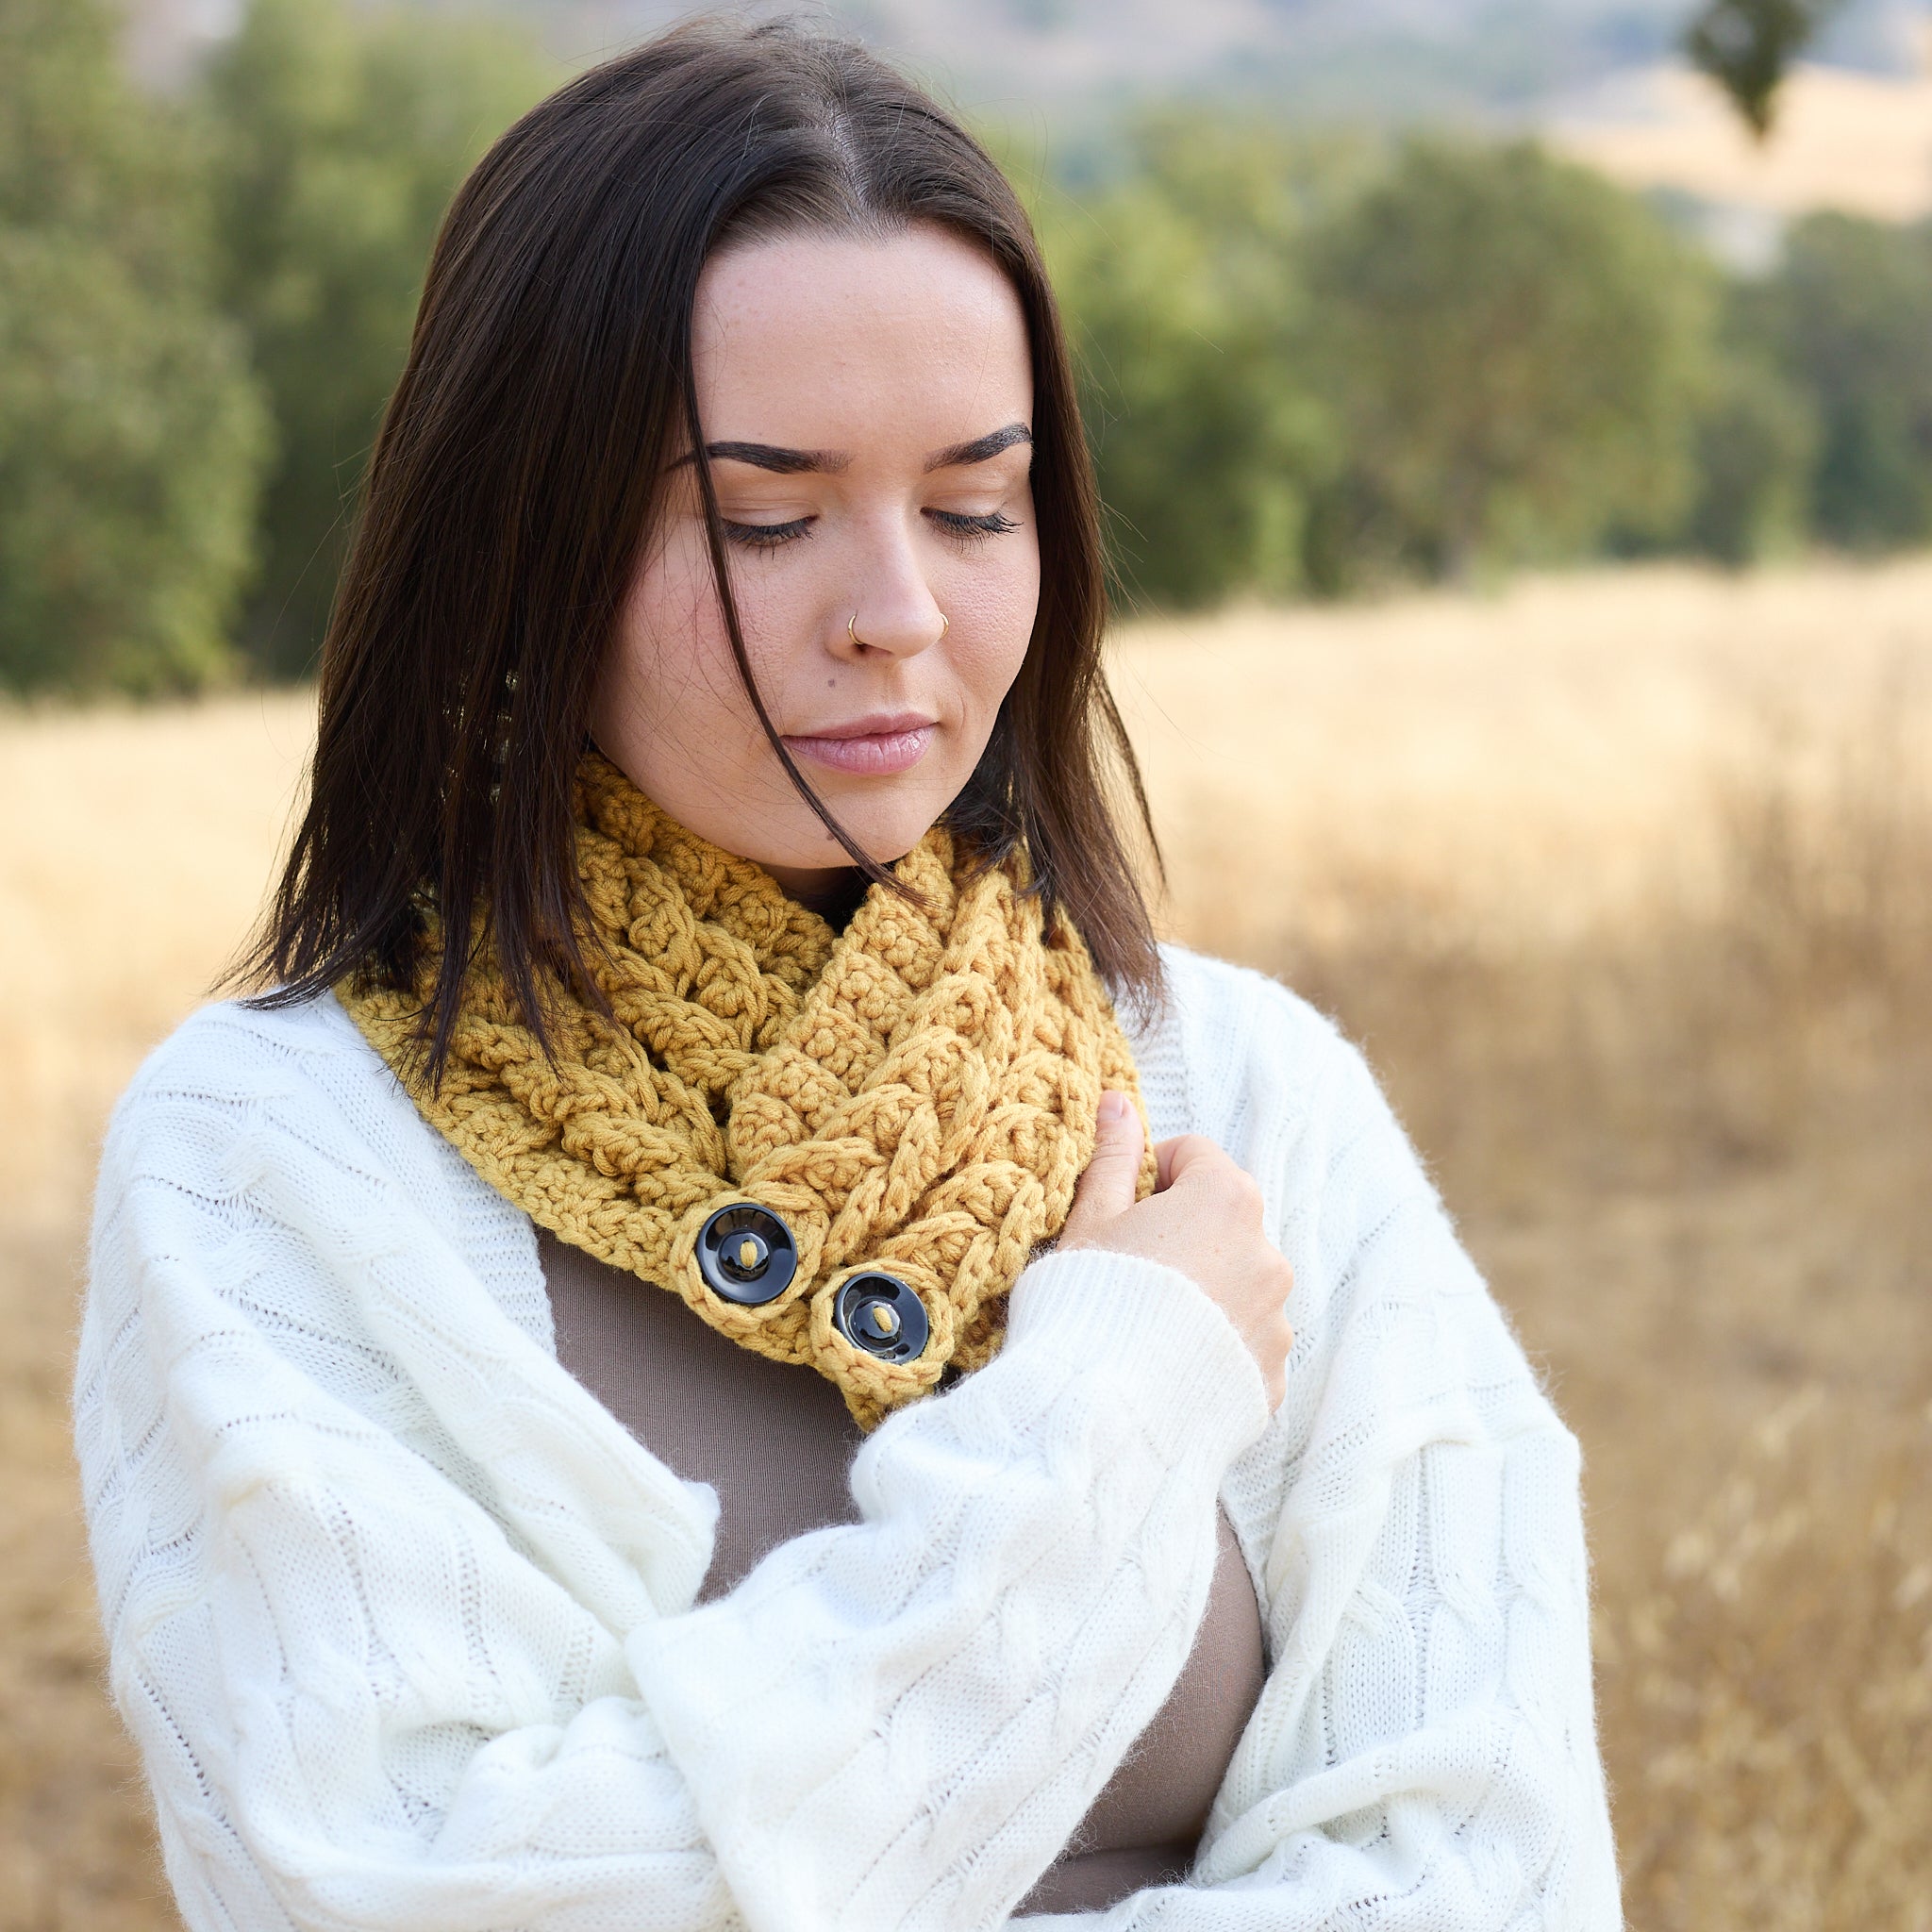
pixel 1113 1107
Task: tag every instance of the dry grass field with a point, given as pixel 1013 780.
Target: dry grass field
pixel 1626 882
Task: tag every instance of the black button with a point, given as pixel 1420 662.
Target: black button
pixel 881 1315
pixel 746 1254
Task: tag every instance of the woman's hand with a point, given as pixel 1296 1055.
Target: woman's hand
pixel 1205 1220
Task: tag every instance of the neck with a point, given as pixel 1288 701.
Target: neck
pixel 832 891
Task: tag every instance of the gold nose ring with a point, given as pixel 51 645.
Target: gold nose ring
pixel 851 630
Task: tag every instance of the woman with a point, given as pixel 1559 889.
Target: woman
pixel 713 881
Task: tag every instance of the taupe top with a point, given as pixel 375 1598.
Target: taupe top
pixel 775 1442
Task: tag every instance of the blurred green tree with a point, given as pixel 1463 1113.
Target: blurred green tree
pixel 1183 287
pixel 1516 347
pixel 340 136
pixel 1756 440
pixel 131 434
pixel 1848 315
pixel 1747 48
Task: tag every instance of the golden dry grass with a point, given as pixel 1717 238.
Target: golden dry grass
pixel 1623 881
pixel 134 848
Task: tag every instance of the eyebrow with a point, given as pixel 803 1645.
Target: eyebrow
pixel 769 455
pixel 799 463
pixel 981 449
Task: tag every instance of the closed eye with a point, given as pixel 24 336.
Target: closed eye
pixel 766 536
pixel 956 524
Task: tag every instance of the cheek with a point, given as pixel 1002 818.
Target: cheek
pixel 986 665
pixel 994 623
pixel 671 653
pixel 671 708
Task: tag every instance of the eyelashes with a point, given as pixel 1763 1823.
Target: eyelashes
pixel 764 536
pixel 775 536
pixel 994 523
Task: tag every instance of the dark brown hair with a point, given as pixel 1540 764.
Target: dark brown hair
pixel 549 383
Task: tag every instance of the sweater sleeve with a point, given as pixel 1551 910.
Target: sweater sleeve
pixel 1424 1756
pixel 401 1620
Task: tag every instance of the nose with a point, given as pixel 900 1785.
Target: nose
pixel 893 612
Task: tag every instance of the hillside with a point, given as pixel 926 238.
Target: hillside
pixel 1858 142
pixel 1381 59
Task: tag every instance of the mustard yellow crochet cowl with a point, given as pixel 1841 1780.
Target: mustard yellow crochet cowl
pixel 838 1148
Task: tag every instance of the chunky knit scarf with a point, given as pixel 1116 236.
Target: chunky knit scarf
pixel 838 1148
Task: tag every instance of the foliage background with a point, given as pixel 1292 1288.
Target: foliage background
pixel 1318 361
pixel 132 431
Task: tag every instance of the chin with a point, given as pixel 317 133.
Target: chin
pixel 886 829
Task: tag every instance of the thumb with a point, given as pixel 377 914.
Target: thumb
pixel 1107 1190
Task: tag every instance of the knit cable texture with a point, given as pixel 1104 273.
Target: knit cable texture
pixel 404 1621
pixel 916 1094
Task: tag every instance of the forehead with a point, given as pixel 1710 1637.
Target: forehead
pixel 834 341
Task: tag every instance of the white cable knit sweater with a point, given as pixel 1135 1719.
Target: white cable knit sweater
pixel 403 1620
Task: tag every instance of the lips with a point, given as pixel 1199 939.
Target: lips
pixel 874 747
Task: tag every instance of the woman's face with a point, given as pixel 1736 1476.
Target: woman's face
pixel 868 405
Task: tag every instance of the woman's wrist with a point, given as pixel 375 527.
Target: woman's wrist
pixel 1192 1381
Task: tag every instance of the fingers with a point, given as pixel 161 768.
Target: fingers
pixel 1106 1189
pixel 1208 1222
pixel 1174 1157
